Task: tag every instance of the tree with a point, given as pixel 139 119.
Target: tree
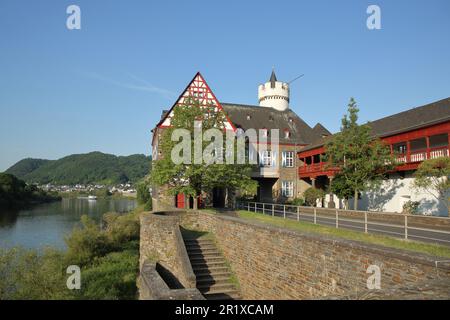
pixel 362 161
pixel 433 176
pixel 312 195
pixel 191 177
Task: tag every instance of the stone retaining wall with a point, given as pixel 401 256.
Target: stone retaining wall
pixel 161 241
pixel 153 287
pixel 276 263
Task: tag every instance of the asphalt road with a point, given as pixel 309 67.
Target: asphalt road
pixel 397 231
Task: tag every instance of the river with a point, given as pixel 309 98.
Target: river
pixel 48 224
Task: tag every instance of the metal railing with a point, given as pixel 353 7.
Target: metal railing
pixel 365 221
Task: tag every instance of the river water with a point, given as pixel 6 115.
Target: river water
pixel 48 224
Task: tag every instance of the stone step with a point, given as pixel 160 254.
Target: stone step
pixel 198 241
pixel 230 294
pixel 212 281
pixel 207 274
pixel 201 249
pixel 209 270
pixel 215 288
pixel 207 259
pixel 203 265
pixel 206 254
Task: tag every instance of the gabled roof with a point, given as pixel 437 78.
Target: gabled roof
pixel 268 118
pixel 198 89
pixel 320 130
pixel 419 117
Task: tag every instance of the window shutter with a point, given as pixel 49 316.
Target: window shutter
pixel 283 159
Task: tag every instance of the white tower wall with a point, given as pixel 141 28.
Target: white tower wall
pixel 274 95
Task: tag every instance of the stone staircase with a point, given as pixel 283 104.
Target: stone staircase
pixel 213 274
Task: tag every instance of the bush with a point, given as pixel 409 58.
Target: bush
pixel 298 202
pixel 143 192
pixel 411 207
pixel 148 205
pixel 111 277
pixel 312 195
pixel 108 259
pixel 25 274
pixel 121 228
pixel 86 243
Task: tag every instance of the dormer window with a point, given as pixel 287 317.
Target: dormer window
pixel 271 119
pixel 248 117
pixel 290 120
pixel 287 134
pixel 265 132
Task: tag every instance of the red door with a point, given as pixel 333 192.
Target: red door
pixel 180 201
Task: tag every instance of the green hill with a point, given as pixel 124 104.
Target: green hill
pixel 94 167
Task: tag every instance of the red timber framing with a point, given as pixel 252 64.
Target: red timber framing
pixel 411 148
pixel 199 89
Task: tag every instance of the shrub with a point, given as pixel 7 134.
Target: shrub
pixel 121 228
pixel 86 243
pixel 108 259
pixel 111 277
pixel 312 195
pixel 298 202
pixel 27 274
pixel 411 207
pixel 143 193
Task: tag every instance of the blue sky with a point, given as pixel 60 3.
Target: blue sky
pixel 103 87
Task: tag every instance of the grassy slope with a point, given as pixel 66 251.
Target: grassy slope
pixel 432 249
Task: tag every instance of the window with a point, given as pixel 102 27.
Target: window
pixel 248 117
pixel 287 188
pixel 266 158
pixel 287 159
pixel 264 132
pixel 287 134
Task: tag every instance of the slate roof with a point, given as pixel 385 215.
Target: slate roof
pixel 268 118
pixel 321 131
pixel 419 117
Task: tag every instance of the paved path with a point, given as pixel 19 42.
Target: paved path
pixel 356 224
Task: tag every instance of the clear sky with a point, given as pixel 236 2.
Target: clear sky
pixel 103 87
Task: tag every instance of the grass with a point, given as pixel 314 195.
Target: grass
pixel 432 249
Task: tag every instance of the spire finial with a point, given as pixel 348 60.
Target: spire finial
pixel 273 78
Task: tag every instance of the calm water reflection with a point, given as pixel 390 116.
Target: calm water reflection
pixel 47 224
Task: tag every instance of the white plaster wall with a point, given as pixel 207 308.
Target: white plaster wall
pixel 281 89
pixel 395 192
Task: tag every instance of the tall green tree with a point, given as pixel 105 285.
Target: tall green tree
pixel 192 178
pixel 433 176
pixel 362 161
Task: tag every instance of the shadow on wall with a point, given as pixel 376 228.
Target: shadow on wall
pixel 432 206
pixel 169 278
pixel 377 198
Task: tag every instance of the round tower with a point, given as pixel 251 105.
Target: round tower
pixel 274 94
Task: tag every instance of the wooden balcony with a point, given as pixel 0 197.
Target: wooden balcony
pixel 407 161
pixel 412 159
pixel 316 169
